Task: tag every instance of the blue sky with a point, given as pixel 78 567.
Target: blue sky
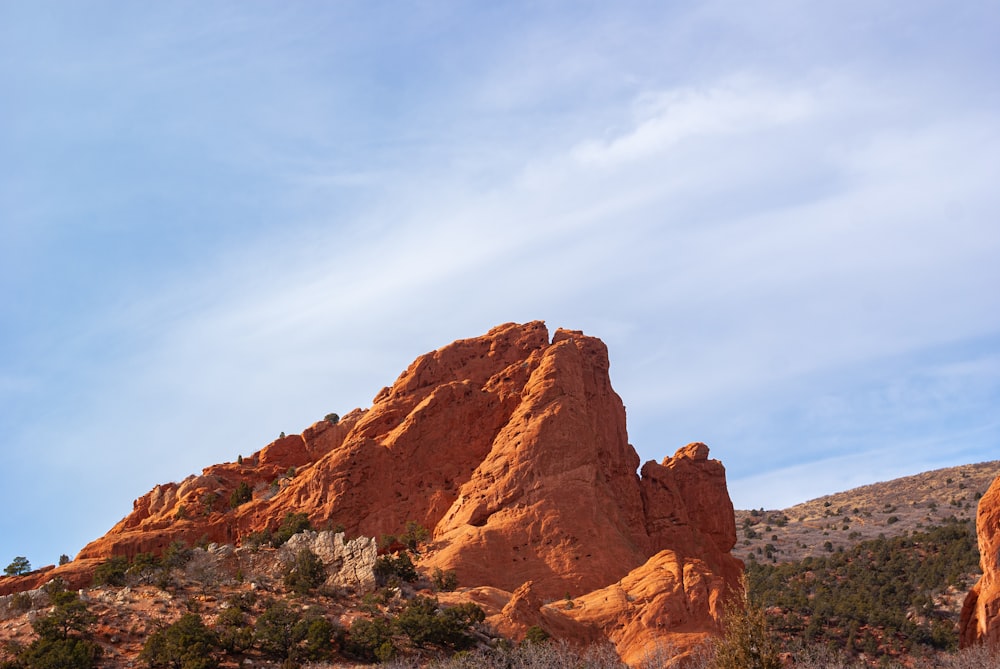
pixel 221 221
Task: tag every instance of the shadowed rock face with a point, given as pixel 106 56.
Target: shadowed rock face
pixel 512 449
pixel 980 621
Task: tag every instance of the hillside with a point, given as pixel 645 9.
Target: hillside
pixel 842 520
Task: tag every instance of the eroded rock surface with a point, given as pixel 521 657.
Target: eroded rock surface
pixel 980 621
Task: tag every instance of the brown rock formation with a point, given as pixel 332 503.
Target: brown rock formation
pixel 980 621
pixel 512 450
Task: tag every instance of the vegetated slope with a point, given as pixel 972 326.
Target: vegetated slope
pixel 883 597
pixel 844 519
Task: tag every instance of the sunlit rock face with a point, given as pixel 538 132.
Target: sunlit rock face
pixel 980 621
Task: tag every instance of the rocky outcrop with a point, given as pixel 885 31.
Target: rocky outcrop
pixel 348 563
pixel 512 449
pixel 980 620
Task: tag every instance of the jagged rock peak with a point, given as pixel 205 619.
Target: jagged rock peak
pixel 511 448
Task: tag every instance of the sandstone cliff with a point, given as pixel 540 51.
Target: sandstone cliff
pixel 980 621
pixel 512 449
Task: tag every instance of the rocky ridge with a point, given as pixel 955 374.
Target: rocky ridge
pixel 512 450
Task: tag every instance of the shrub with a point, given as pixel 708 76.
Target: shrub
pixel 398 566
pixel 20 601
pixel 292 524
pixel 63 635
pixel 283 633
pixel 255 540
pixel 18 566
pixel 241 495
pixel 419 621
pixel 746 640
pixel 445 581
pixel 306 573
pixel 208 501
pixel 234 633
pixel 536 634
pixel 414 535
pixel 176 556
pixel 425 623
pixel 332 418
pixel 317 643
pixel 275 633
pixel 68 653
pixel 111 571
pixel 186 644
pixel 370 640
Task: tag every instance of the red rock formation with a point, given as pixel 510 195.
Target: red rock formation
pixel 980 620
pixel 512 450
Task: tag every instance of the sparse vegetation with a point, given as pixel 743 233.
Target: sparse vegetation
pixel 185 644
pixel 747 641
pixel 284 633
pixel 241 495
pixel 879 598
pixel 306 573
pixel 292 524
pixel 63 635
pixel 111 571
pixel 444 581
pixel 398 566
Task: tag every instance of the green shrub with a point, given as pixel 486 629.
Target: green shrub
pixel 332 418
pixel 746 640
pixel 233 630
pixel 414 535
pixel 63 635
pixel 399 566
pixel 275 632
pixel 306 573
pixel 111 571
pixel 317 643
pixel 884 587
pixel 283 633
pixel 68 653
pixel 291 524
pixel 256 540
pixel 241 495
pixel 370 640
pixel 186 644
pixel 445 581
pixel 536 634
pixel 208 501
pixel 176 556
pixel 425 623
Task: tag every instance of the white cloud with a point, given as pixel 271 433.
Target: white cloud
pixel 734 107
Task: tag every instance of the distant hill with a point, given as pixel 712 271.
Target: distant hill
pixel 842 520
